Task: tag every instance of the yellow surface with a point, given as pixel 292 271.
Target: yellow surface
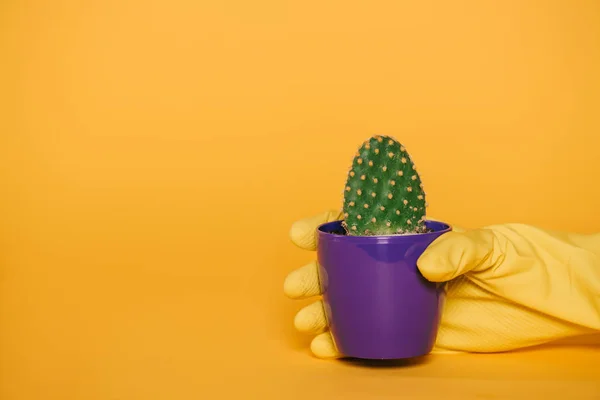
pixel 154 154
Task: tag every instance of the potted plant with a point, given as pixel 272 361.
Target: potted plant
pixel 377 303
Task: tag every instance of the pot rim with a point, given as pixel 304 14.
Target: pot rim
pixel 439 228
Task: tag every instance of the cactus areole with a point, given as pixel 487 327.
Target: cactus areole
pixel 383 194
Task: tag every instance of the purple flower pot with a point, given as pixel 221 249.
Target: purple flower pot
pixel 377 303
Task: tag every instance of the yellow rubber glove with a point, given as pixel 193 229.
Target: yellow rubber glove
pixel 508 287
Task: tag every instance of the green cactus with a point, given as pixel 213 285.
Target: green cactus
pixel 383 193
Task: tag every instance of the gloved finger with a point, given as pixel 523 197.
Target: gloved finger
pixel 456 253
pixel 311 319
pixel 323 346
pixel 303 282
pixel 458 229
pixel 302 232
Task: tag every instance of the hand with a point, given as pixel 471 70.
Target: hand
pixel 508 287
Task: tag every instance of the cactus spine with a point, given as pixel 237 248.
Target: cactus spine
pixel 383 193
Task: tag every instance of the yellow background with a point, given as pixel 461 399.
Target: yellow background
pixel 154 154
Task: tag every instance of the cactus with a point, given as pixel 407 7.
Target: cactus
pixel 383 193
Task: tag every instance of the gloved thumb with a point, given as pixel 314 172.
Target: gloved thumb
pixel 457 253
